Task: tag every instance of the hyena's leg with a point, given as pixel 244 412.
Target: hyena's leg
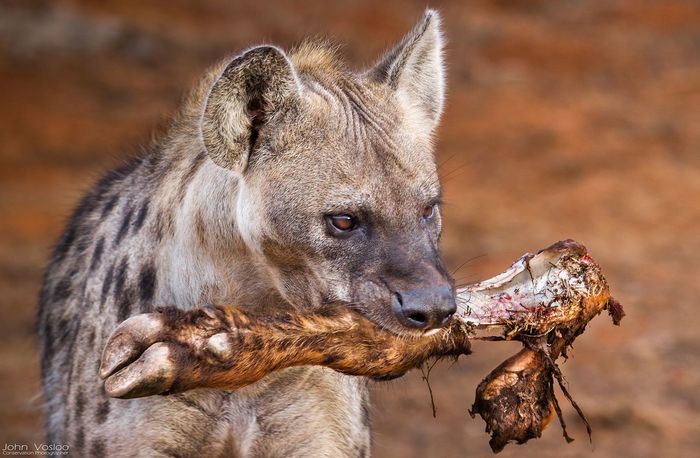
pixel 225 347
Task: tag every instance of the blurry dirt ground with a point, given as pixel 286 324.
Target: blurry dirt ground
pixel 575 119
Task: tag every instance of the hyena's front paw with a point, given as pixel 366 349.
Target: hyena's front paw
pixel 165 352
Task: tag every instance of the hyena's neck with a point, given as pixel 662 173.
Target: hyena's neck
pixel 161 230
pixel 201 253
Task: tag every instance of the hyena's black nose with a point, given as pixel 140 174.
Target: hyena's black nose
pixel 424 308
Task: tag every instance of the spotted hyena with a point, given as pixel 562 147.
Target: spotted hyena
pixel 285 182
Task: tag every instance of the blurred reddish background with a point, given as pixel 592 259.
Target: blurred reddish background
pixel 572 119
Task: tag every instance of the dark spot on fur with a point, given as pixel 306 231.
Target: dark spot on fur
pixel 79 404
pixel 120 278
pixel 330 359
pixel 63 329
pixel 97 449
pixel 102 412
pixel 74 271
pixel 147 282
pixel 97 254
pixel 62 289
pixel 109 205
pixel 47 352
pixel 141 217
pixel 107 284
pixel 124 228
pixel 124 304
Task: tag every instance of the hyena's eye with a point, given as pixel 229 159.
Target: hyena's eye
pixel 341 224
pixel 428 212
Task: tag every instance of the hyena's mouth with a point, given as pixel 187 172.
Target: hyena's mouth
pixel 391 324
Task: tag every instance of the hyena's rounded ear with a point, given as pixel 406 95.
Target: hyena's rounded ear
pixel 252 88
pixel 414 68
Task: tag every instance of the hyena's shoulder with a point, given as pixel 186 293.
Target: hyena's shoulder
pixel 124 215
pixel 80 250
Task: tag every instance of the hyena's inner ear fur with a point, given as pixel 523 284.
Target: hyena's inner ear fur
pixel 244 100
pixel 414 68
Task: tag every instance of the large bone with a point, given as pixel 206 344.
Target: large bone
pixel 544 300
pixel 559 286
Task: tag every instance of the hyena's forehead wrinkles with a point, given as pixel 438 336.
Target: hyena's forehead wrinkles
pixel 365 118
pixel 357 111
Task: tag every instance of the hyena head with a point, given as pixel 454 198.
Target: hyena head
pixel 338 191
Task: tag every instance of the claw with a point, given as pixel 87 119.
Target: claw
pixel 129 340
pixel 120 351
pixel 153 373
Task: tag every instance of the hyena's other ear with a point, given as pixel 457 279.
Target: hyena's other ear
pixel 244 100
pixel 414 68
